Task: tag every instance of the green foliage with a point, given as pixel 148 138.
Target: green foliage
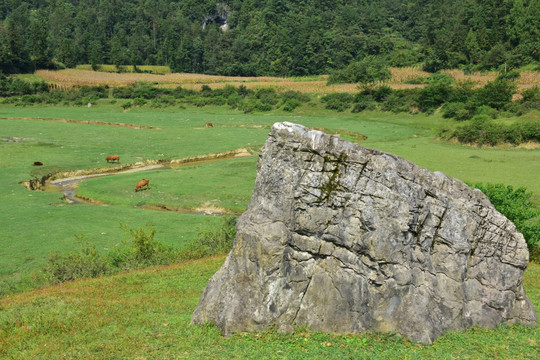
pixel 76 265
pixel 367 71
pixel 338 101
pixel 457 110
pixel 517 206
pixel 439 90
pixel 482 130
pixel 495 94
pixel 139 250
pixel 216 240
pixel 284 38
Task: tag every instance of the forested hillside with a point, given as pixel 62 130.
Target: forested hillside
pixel 268 37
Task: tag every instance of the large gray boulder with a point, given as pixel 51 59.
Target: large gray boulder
pixel 340 238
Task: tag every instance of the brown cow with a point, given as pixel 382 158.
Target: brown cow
pixel 141 184
pixel 209 124
pixel 38 163
pixel 113 158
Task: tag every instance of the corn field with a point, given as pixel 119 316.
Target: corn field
pixel 69 78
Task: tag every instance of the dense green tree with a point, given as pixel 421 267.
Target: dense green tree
pixel 274 37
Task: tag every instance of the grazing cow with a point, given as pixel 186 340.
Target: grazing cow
pixel 141 184
pixel 38 163
pixel 209 124
pixel 113 158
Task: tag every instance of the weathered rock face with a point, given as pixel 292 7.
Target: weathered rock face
pixel 340 238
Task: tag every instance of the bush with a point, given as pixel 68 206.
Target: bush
pixel 291 104
pixel 140 249
pixel 481 130
pixel 337 101
pixel 495 94
pixel 219 240
pixel 450 110
pixel 382 93
pixel 262 106
pixel 531 94
pixel 367 71
pixel 235 101
pixel 487 110
pixel 401 101
pixel 296 95
pixel 529 129
pixel 123 92
pixel 267 96
pixel 71 266
pixel 139 101
pixel 439 90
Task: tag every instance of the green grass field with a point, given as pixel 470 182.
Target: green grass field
pixel 147 314
pixel 35 224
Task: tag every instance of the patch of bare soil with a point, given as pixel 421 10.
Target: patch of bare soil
pixel 89 122
pixel 237 153
pixel 205 209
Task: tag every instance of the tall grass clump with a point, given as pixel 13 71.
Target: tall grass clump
pixel 138 250
pixel 215 240
pixel 85 263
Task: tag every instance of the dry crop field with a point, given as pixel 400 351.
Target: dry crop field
pixel 66 79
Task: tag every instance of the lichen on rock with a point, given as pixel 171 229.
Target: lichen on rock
pixel 341 238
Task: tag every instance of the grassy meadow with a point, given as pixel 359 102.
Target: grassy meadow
pixel 36 223
pixel 146 314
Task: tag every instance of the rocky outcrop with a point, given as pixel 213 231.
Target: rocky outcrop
pixel 340 238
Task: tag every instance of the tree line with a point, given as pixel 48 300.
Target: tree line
pixel 268 37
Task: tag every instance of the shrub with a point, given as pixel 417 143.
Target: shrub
pixel 487 110
pixel 449 110
pixel 262 106
pixel 495 94
pixel 123 92
pixel 529 129
pixel 382 93
pixel 218 240
pixel 127 105
pixel 76 265
pixel 367 71
pixel 139 101
pixel 296 95
pixel 438 91
pixel 481 130
pixel 267 96
pixel 235 101
pixel 337 101
pixel 291 104
pixel 531 94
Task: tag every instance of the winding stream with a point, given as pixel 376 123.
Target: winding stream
pixel 68 186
